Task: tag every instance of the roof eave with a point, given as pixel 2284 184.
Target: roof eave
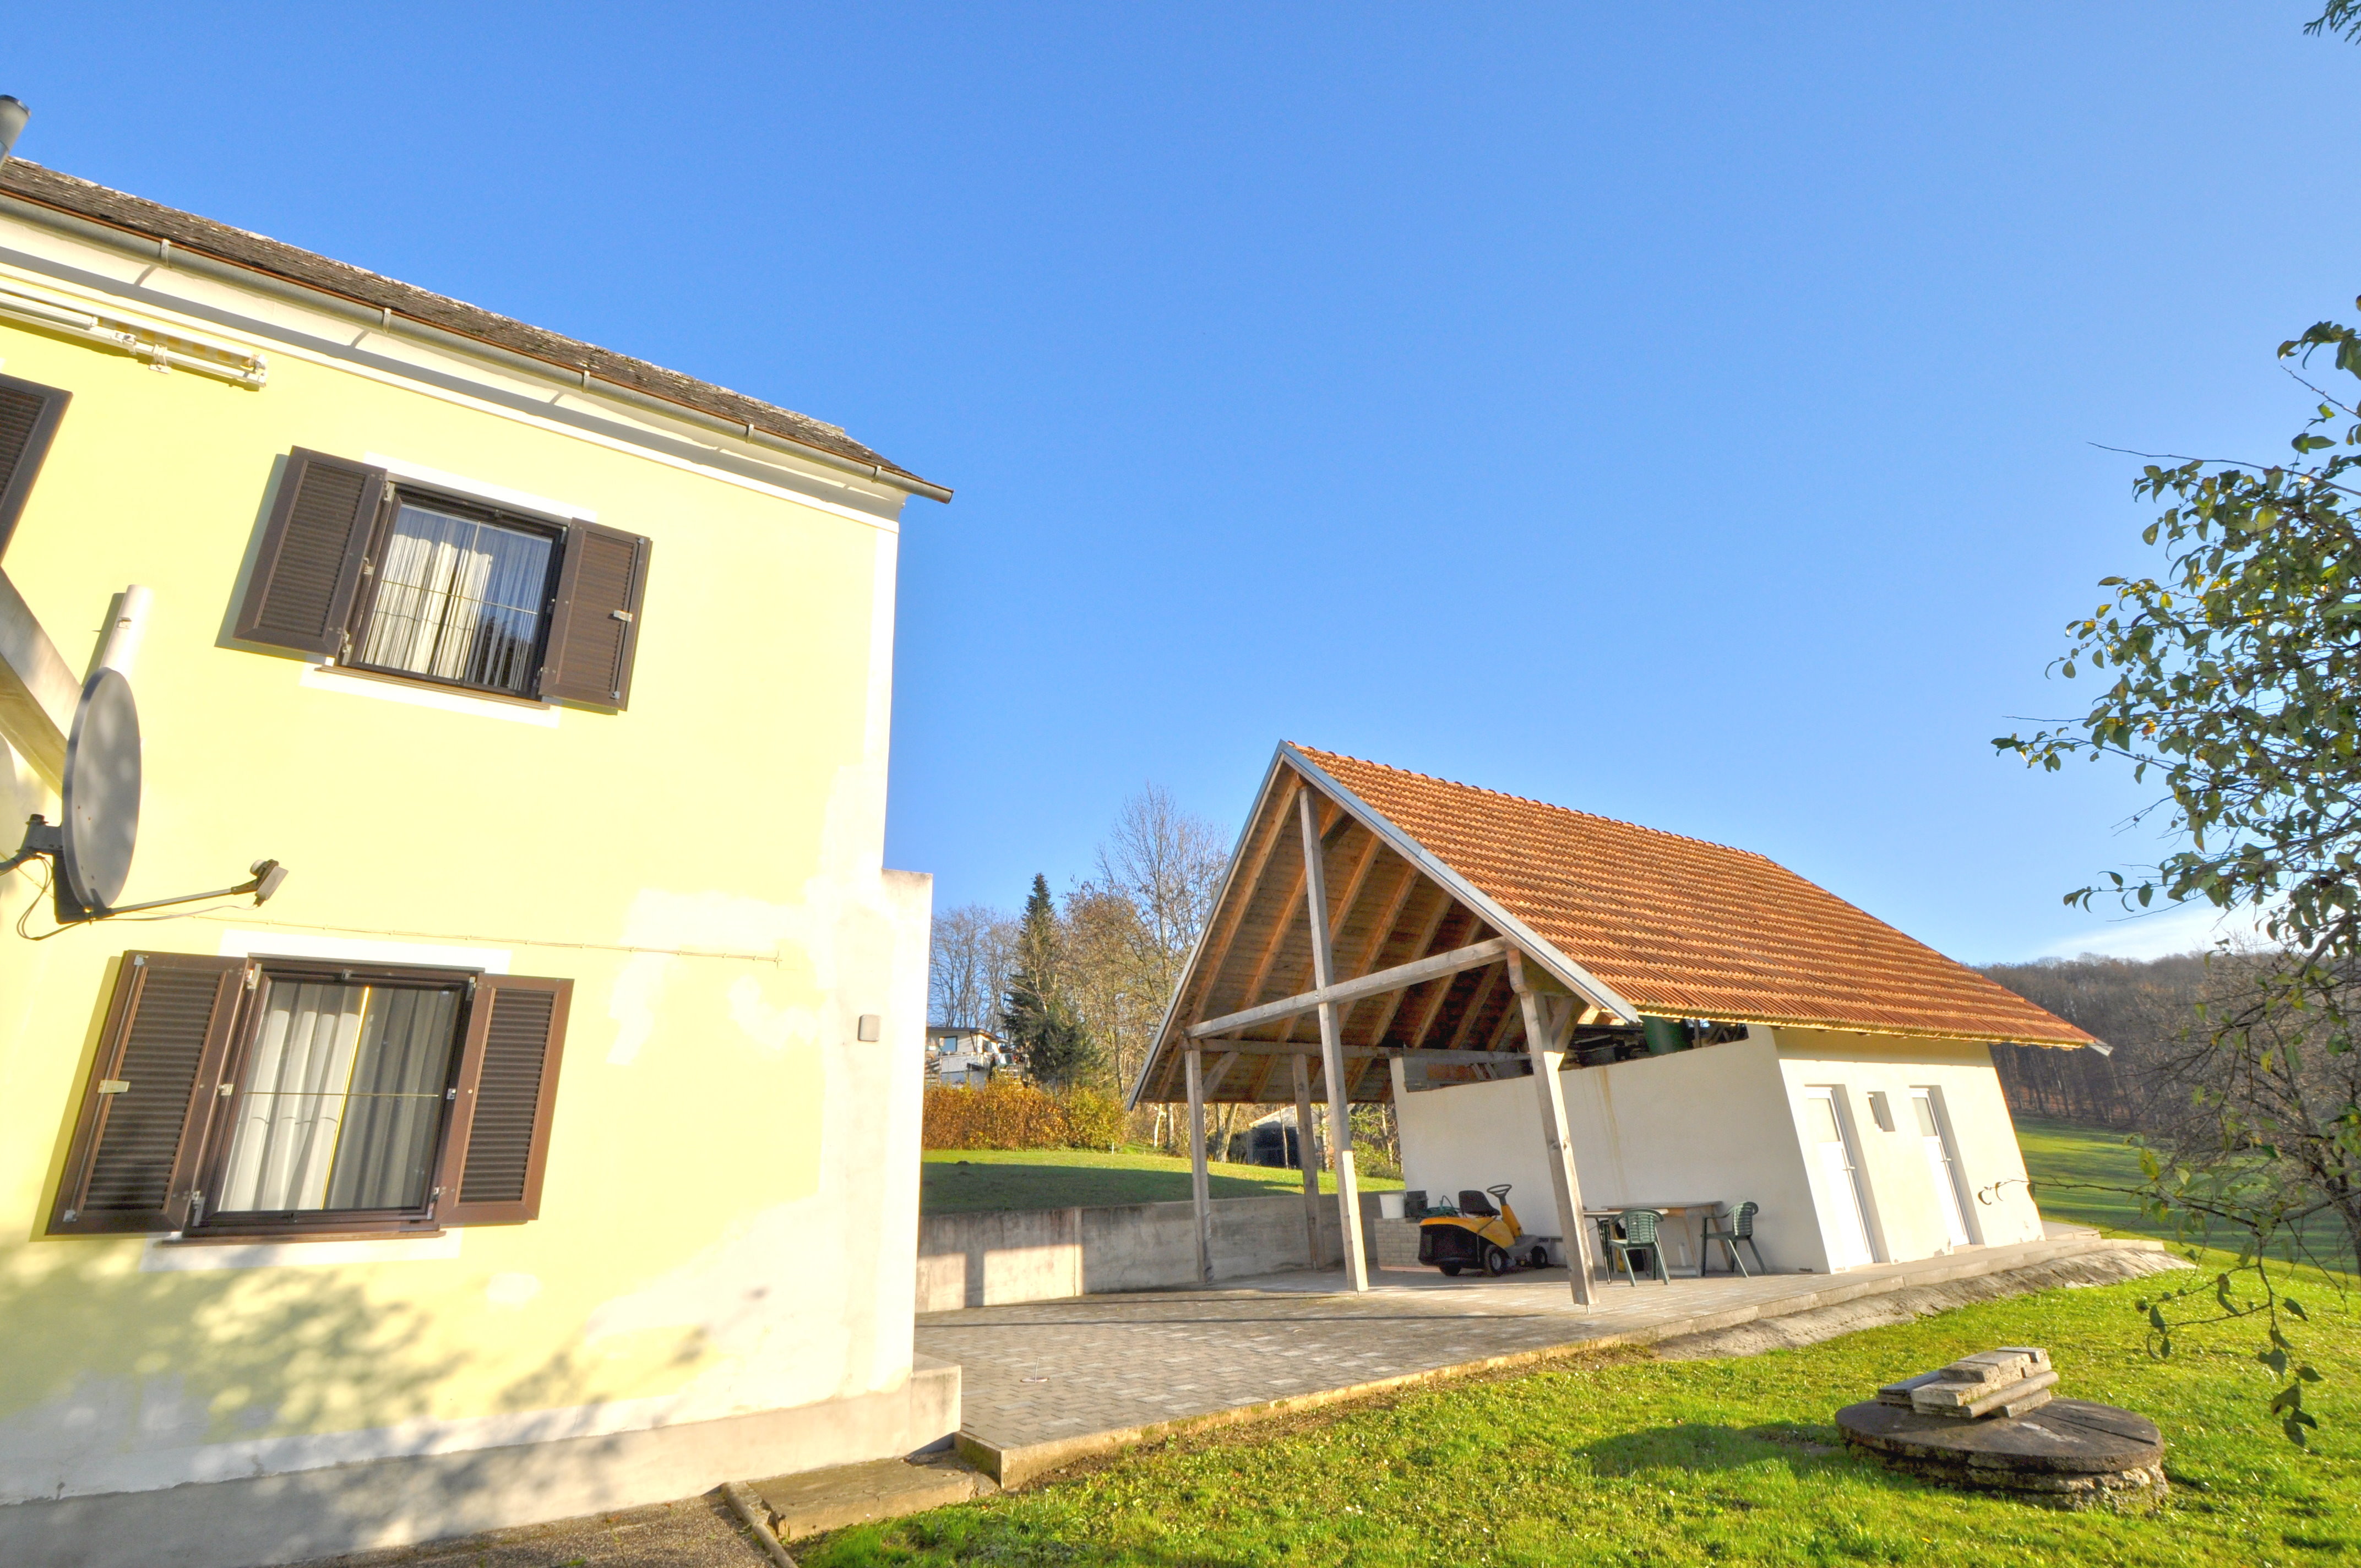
pixel 152 246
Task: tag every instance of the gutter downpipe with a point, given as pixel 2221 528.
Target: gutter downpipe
pixel 165 253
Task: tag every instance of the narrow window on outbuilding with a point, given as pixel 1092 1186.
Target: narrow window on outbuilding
pixel 28 419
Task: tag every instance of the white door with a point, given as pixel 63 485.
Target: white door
pixel 1940 1163
pixel 1835 1180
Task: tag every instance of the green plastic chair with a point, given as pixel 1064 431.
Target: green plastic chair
pixel 1638 1228
pixel 1741 1229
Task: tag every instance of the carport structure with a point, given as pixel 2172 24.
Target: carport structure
pixel 1378 927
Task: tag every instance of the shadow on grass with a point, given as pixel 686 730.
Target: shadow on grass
pixel 1696 1445
pixel 961 1536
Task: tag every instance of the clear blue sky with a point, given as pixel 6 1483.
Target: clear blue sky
pixel 1680 413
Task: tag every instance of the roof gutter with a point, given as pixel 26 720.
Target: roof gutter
pixel 384 319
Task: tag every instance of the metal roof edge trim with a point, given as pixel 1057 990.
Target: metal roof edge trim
pixel 1902 1031
pixel 1543 952
pixel 181 256
pixel 1197 948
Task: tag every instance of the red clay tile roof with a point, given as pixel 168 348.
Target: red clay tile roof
pixel 1683 928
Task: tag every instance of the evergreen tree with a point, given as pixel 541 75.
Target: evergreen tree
pixel 1039 1022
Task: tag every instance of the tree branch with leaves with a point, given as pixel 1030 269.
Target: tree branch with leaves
pixel 2231 679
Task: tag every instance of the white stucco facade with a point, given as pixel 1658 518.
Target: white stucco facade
pixel 1739 1121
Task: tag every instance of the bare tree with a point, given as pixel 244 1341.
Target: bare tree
pixel 1131 925
pixel 975 952
pixel 1167 863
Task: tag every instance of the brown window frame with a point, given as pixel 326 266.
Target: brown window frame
pixel 562 539
pixel 508 1042
pixel 311 587
pixel 221 1124
pixel 16 476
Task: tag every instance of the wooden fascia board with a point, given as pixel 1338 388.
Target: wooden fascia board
pixel 1572 975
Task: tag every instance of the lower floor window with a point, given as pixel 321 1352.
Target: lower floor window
pixel 344 1092
pixel 234 1097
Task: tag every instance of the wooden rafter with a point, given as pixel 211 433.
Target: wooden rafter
pixel 1419 949
pixel 1379 935
pixel 1217 953
pixel 1475 1005
pixel 1291 910
pixel 1429 968
pixel 1342 912
pixel 1432 1012
pixel 1262 1079
pixel 1509 1015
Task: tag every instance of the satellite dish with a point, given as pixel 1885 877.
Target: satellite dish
pixel 102 792
pixel 92 848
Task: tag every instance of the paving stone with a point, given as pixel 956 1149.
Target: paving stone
pixel 1297 1336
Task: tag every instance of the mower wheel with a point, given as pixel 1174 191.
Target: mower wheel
pixel 1496 1261
pixel 1538 1259
pixel 1450 1268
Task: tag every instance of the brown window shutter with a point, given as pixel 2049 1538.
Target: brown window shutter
pixel 508 1086
pixel 593 628
pixel 161 1056
pixel 28 418
pixel 301 595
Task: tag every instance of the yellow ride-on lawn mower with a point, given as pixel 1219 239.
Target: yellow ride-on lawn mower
pixel 1478 1236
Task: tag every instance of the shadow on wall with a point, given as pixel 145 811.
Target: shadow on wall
pixel 109 1375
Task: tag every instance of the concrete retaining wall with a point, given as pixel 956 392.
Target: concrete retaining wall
pixel 997 1258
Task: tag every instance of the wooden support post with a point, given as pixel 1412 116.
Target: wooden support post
pixel 1331 1050
pixel 1307 1153
pixel 1546 1046
pixel 1201 1188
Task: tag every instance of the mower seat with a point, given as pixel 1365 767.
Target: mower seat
pixel 1474 1202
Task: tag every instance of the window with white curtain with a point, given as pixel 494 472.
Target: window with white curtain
pixel 344 1097
pixel 458 599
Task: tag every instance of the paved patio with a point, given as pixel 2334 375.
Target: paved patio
pixel 1044 1383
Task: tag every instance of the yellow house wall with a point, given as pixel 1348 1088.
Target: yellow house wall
pixel 729 1208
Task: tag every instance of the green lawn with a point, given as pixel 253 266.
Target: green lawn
pixel 1624 1460
pixel 2071 1166
pixel 958 1181
pixel 2068 1163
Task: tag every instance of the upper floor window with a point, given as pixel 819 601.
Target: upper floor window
pixel 458 597
pixel 403 580
pixel 28 419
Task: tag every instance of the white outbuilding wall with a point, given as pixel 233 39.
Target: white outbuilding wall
pixel 1733 1122
pixel 1905 1217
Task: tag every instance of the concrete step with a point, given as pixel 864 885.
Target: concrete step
pixel 812 1501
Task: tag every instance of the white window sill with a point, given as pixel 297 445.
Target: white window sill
pixel 167 1254
pixel 388 688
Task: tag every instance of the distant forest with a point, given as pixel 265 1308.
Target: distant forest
pixel 2141 1007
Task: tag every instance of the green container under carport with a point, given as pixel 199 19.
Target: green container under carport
pixel 1665 1035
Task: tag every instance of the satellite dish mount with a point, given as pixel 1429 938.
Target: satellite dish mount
pixel 90 851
